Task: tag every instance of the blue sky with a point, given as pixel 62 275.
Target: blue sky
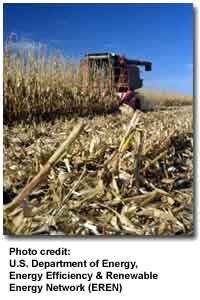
pixel 162 33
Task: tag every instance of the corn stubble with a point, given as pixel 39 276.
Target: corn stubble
pixel 120 176
pixel 125 174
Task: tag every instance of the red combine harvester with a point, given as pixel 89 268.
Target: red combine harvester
pixel 116 72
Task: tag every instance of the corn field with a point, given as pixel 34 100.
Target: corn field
pixel 37 85
pixel 125 173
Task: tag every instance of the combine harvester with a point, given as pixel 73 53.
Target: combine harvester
pixel 116 72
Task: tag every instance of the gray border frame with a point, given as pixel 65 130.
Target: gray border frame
pixel 195 130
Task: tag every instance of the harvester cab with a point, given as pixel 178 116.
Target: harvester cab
pixel 114 72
